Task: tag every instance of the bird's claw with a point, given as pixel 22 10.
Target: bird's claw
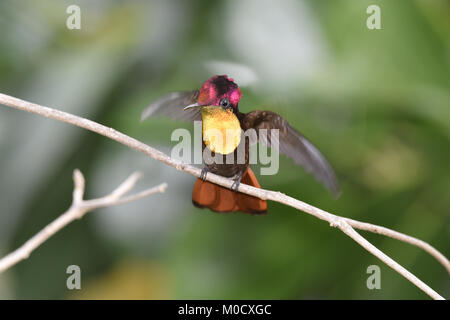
pixel 236 183
pixel 203 174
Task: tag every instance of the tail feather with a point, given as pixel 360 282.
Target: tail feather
pixel 209 195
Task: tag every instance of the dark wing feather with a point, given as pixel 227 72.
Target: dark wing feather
pixel 294 145
pixel 172 104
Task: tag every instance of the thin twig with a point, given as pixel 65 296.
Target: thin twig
pixel 344 224
pixel 76 211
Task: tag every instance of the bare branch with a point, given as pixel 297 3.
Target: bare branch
pixel 79 184
pixel 77 210
pixel 402 237
pixel 344 224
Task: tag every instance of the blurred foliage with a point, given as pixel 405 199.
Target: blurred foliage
pixel 376 102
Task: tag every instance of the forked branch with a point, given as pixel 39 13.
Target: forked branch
pixel 76 211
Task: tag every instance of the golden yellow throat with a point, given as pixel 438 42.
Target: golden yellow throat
pixel 221 129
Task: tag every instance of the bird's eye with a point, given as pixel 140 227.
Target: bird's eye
pixel 224 103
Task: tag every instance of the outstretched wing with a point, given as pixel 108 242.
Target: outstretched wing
pixel 172 104
pixel 294 145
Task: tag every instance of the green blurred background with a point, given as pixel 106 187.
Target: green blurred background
pixel 375 102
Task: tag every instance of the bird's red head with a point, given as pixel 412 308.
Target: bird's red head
pixel 220 91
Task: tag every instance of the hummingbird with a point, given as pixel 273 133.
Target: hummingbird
pixel 216 104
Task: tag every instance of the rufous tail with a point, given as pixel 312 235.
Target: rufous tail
pixel 209 195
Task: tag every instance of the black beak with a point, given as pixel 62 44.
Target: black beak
pixel 194 105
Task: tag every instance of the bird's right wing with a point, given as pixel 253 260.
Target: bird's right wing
pixel 294 145
pixel 172 105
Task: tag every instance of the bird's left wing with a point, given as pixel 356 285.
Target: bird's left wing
pixel 294 145
pixel 172 104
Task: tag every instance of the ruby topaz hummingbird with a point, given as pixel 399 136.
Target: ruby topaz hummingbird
pixel 216 105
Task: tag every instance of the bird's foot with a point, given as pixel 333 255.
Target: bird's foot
pixel 236 183
pixel 203 174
